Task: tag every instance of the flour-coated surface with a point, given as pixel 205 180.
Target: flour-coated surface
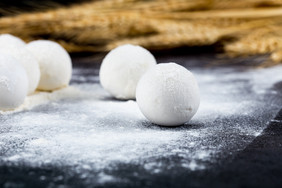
pixel 91 139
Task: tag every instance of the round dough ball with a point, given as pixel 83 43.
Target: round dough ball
pixel 30 64
pixel 8 41
pixel 13 82
pixel 122 68
pixel 168 94
pixel 54 63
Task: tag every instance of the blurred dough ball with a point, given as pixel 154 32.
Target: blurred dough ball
pixel 30 64
pixel 8 41
pixel 13 82
pixel 54 62
pixel 168 94
pixel 122 68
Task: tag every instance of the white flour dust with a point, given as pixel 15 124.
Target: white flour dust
pixel 82 128
pixel 39 98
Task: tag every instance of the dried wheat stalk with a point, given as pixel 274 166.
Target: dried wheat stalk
pixel 253 25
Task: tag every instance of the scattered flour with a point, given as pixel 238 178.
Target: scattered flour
pixel 39 98
pixel 82 130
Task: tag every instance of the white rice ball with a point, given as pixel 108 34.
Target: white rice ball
pixel 168 94
pixel 30 64
pixel 8 41
pixel 54 62
pixel 13 82
pixel 122 68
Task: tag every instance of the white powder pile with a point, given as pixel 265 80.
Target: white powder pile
pixel 90 135
pixel 40 98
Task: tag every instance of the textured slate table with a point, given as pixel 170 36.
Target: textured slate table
pixel 257 164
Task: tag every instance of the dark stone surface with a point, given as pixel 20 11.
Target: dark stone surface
pixel 258 165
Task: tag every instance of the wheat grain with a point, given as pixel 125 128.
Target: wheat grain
pixel 243 27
